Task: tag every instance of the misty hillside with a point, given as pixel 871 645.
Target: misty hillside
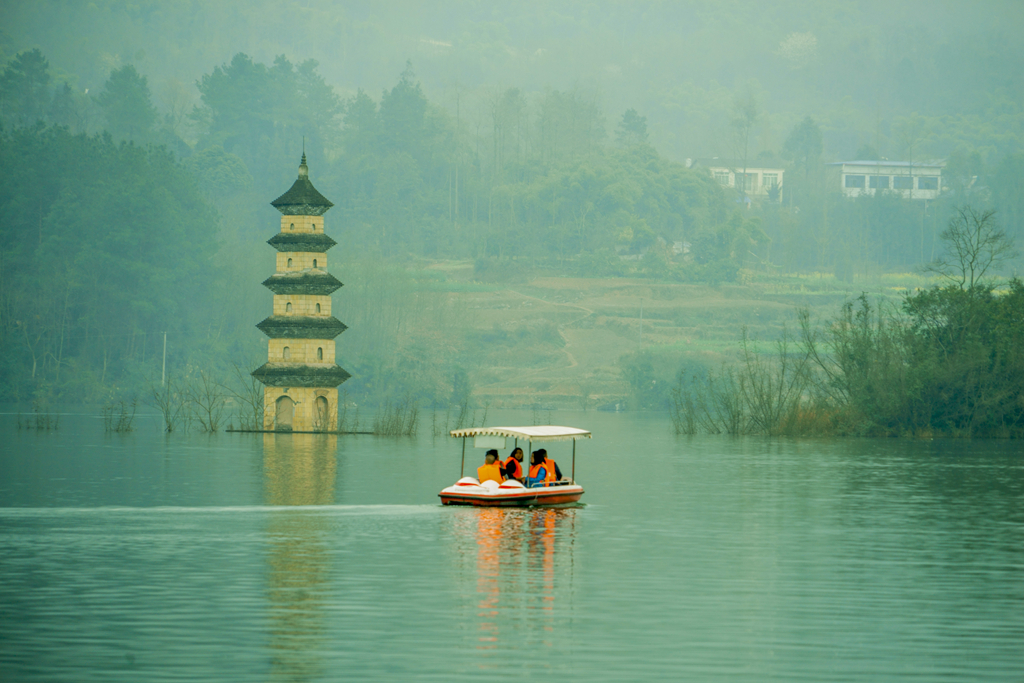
pixel 510 181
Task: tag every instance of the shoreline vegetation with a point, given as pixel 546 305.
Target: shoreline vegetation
pixel 946 361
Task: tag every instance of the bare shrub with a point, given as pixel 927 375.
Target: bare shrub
pixel 118 417
pixel 206 400
pixel 248 392
pixel 172 403
pixel 397 419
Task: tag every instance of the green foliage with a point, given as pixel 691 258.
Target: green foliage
pixel 126 104
pixel 951 365
pixel 804 146
pixel 949 361
pixel 99 246
pixel 632 129
pixel 24 89
pixel 259 113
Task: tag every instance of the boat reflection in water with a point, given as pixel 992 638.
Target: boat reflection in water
pixel 524 575
pixel 299 469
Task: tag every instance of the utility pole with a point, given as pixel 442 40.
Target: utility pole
pixel 163 370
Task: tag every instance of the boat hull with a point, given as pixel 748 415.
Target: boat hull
pixel 466 493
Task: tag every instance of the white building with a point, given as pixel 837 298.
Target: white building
pixel 729 173
pixel 920 180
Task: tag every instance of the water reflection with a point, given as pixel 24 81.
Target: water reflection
pixel 524 566
pixel 299 469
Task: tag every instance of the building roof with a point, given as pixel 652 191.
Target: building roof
pixel 891 164
pixel 533 433
pixel 302 199
pixel 736 164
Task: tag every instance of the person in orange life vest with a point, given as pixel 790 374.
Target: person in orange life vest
pixel 490 469
pixel 541 474
pixel 513 466
pixel 548 462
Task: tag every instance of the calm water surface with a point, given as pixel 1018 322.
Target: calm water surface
pixel 233 557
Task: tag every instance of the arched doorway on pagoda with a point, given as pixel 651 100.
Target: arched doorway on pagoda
pixel 285 414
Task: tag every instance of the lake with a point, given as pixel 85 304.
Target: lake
pixel 249 557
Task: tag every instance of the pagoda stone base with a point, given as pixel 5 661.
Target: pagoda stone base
pixel 300 409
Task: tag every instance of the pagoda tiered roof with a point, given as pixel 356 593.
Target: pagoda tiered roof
pixel 300 375
pixel 312 281
pixel 301 241
pixel 302 199
pixel 301 327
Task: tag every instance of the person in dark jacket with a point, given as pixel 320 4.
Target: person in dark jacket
pixel 513 466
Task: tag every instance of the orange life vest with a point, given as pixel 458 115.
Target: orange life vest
pixel 549 472
pixel 550 466
pixel 492 472
pixel 512 465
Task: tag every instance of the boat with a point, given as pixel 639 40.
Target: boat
pixel 511 493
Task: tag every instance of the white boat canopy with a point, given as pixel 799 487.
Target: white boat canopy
pixel 534 434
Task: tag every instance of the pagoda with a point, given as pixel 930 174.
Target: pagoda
pixel 300 376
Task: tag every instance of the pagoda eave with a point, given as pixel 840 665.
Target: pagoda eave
pixel 300 375
pixel 315 242
pixel 302 209
pixel 314 282
pixel 301 327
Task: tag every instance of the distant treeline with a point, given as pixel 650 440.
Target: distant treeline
pixel 122 221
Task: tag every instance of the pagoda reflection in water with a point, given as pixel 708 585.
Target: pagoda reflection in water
pixel 299 470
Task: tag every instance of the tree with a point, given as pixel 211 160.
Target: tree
pixel 262 114
pixel 745 115
pixel 508 118
pixel 961 173
pixel 804 145
pixel 866 152
pixel 569 125
pixel 632 129
pixel 403 111
pixel 25 88
pixel 68 109
pixel 975 246
pixel 127 105
pixel 361 124
pixel 1007 184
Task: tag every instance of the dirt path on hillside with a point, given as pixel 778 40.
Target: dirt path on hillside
pixel 572 359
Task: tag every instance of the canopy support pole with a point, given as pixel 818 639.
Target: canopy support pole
pixel 462 470
pixel 574 461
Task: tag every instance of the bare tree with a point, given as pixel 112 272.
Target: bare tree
pixel 172 403
pixel 206 396
pixel 248 393
pixel 975 245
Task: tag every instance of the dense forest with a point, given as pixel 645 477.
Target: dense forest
pixel 140 148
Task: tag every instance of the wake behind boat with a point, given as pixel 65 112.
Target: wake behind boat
pixel 522 491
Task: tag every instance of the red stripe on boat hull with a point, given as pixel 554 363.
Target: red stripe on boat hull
pixel 519 500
